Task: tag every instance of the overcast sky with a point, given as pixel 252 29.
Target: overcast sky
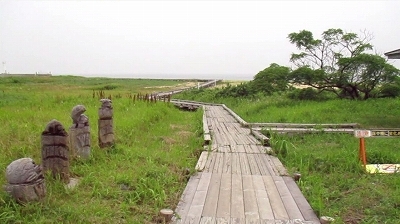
pixel 177 39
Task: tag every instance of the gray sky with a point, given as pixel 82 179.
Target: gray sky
pixel 176 39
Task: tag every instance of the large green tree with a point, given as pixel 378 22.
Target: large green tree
pixel 272 79
pixel 339 62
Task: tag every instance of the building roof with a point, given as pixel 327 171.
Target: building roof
pixel 393 54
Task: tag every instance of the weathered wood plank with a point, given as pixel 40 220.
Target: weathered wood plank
pixel 202 161
pixel 183 206
pixel 224 198
pixel 250 201
pixel 262 164
pixel 293 125
pixel 235 163
pixel 264 205
pixel 269 164
pixel 238 220
pixel 290 205
pixel 240 148
pixel 244 164
pixel 211 202
pixel 275 200
pixel 210 162
pixel 219 162
pixel 279 166
pixel 300 200
pixel 227 165
pixel 237 200
pixel 223 220
pixel 254 170
pixel 207 220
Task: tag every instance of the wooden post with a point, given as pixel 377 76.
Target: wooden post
pixel 79 133
pixel 55 151
pixel 362 153
pixel 106 132
pixel 25 181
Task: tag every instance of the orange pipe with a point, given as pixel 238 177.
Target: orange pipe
pixel 362 153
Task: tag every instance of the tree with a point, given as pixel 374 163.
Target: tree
pixel 272 79
pixel 339 63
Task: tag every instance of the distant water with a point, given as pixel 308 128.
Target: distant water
pixel 240 77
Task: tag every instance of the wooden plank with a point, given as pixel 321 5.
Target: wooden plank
pixel 207 139
pixel 237 200
pixel 264 205
pixel 183 206
pixel 192 220
pixel 202 161
pixel 250 201
pixel 207 220
pixel 252 221
pixel 211 202
pixel 235 163
pixel 279 166
pixel 210 162
pixel 244 164
pixel 269 164
pixel 196 208
pixel 293 125
pixel 219 162
pixel 227 165
pixel 254 170
pixel 302 203
pixel 275 200
pixel 290 205
pixel 240 148
pixel 261 164
pixel 223 220
pixel 238 220
pixel 224 198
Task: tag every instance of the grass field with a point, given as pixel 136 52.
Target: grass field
pixel 333 180
pixel 157 147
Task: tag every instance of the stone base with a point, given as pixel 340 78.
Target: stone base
pixel 24 193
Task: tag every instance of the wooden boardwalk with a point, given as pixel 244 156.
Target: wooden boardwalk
pixel 238 182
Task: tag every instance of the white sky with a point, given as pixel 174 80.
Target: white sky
pixel 177 39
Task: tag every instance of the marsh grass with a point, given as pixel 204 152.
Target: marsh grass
pixel 156 149
pixel 332 177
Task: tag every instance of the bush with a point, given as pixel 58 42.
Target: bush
pixel 390 90
pixel 307 94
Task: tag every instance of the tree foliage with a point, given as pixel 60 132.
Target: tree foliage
pixel 272 79
pixel 339 62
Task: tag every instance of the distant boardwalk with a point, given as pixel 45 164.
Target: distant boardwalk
pixel 24 75
pixel 238 182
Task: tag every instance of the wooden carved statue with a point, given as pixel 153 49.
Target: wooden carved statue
pixel 25 181
pixel 79 134
pixel 106 132
pixel 55 151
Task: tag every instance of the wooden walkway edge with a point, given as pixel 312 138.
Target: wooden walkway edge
pixel 237 181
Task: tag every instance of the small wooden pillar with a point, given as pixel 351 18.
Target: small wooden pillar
pixel 106 132
pixel 55 151
pixel 25 181
pixel 79 133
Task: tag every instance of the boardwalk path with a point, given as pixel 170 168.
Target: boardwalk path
pixel 238 182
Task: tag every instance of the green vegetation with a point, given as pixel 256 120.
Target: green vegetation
pixel 157 147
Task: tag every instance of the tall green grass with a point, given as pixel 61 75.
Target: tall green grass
pixel 156 149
